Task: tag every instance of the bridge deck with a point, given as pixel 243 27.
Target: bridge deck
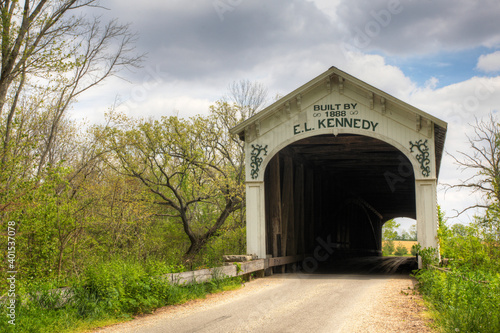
pixel 371 265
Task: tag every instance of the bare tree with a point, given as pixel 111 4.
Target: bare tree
pixel 249 96
pixel 484 159
pixel 93 64
pixel 49 57
pixel 29 31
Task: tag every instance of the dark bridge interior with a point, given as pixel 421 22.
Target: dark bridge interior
pixel 337 189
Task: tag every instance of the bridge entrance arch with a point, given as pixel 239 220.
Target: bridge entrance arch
pixel 331 162
pixel 341 189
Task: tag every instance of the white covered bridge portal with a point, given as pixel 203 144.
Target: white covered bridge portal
pixel 333 161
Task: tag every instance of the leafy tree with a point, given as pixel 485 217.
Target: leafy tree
pixel 49 57
pixel 413 232
pixel 474 246
pixel 249 96
pixel 194 167
pixel 389 230
pixel 458 230
pixel 404 235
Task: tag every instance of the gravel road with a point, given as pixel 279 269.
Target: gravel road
pixel 295 303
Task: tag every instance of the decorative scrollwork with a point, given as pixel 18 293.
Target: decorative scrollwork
pixel 422 156
pixel 256 159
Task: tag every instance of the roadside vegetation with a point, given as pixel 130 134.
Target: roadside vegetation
pixel 464 291
pixel 107 293
pixel 105 209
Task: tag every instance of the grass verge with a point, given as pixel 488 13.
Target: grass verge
pixel 461 300
pixel 107 293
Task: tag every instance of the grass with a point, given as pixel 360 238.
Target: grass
pixel 460 302
pixel 108 293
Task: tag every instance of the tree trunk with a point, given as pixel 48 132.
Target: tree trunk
pixel 198 242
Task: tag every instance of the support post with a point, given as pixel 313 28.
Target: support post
pixel 256 220
pixel 427 215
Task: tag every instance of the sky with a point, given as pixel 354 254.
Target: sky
pixel 440 56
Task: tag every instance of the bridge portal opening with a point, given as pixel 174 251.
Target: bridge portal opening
pixel 335 190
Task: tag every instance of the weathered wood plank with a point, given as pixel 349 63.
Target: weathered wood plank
pixel 275 203
pixel 205 275
pixel 286 201
pixel 238 258
pixel 285 260
pixel 288 204
pixel 309 215
pixel 252 266
pixel 299 209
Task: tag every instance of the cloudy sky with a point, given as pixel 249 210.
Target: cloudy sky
pixel 440 56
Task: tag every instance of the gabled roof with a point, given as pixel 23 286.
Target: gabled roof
pixel 319 80
pixel 440 126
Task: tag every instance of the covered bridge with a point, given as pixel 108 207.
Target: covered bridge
pixel 333 161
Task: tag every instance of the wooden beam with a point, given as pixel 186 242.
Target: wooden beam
pixel 288 181
pixel 275 204
pixel 287 208
pixel 309 215
pixel 205 275
pixel 299 208
pixel 285 260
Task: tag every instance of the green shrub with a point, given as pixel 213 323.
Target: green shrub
pixel 123 287
pixel 401 250
pixel 414 250
pixel 388 248
pixel 40 310
pixel 429 255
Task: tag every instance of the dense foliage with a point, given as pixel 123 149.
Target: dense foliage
pixel 466 293
pixel 69 219
pixel 105 293
pixel 103 209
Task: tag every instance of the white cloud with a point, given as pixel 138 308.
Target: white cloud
pixel 373 70
pixel 489 62
pixel 460 103
pixel 431 83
